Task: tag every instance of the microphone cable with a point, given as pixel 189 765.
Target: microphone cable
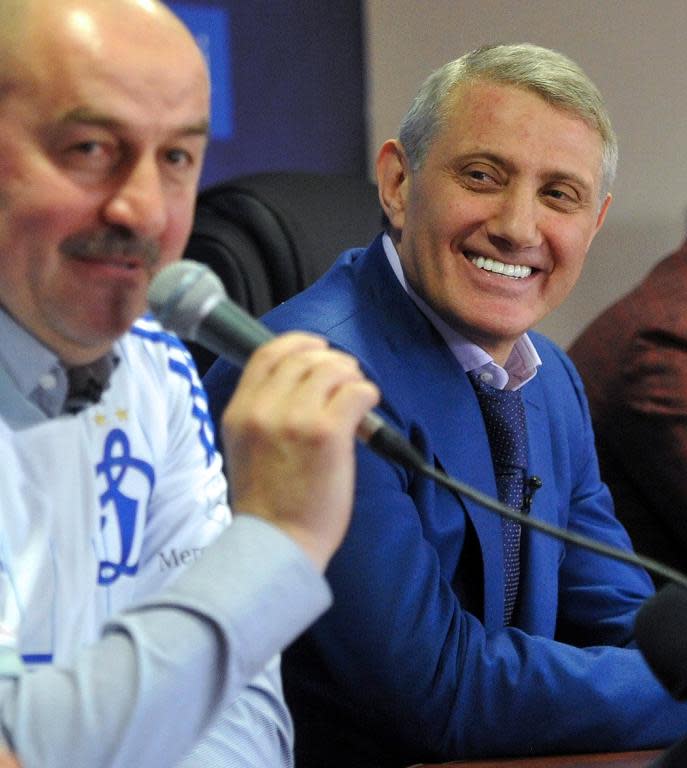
pixel 386 443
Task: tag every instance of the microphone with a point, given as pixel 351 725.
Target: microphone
pixel 661 633
pixel 189 298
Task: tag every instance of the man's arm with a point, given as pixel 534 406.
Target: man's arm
pixel 257 729
pixel 172 663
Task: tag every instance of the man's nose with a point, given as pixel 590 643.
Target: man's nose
pixel 138 202
pixel 515 223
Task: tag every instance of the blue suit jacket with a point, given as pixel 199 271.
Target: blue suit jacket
pixel 413 662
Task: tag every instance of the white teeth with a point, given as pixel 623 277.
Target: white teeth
pixel 516 271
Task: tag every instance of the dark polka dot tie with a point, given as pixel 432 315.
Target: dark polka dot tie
pixel 504 418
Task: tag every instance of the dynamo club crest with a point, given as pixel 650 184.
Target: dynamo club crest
pixel 128 487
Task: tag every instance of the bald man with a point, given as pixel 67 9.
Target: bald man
pixel 111 490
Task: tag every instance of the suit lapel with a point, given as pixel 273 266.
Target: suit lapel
pixel 540 553
pixel 447 408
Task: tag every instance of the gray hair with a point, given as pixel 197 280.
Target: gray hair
pixel 550 74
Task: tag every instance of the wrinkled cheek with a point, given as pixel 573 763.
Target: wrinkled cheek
pixel 576 268
pixel 563 285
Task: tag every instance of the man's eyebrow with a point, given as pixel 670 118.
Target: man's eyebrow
pixel 559 175
pixel 86 116
pixel 571 176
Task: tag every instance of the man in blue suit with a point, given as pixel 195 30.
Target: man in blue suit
pixel 493 193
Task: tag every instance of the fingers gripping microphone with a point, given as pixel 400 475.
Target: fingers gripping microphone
pixel 188 298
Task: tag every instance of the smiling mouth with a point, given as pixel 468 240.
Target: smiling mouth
pixel 126 264
pixel 516 271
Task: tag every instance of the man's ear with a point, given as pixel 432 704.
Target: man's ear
pixel 603 211
pixel 392 182
pixel 601 216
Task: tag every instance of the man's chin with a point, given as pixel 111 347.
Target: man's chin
pixel 89 342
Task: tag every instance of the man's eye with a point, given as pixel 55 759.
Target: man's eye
pixel 478 178
pixel 562 198
pixel 90 155
pixel 179 157
pixel 88 147
pixel 479 175
pixel 558 194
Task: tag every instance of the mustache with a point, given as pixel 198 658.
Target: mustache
pixel 111 243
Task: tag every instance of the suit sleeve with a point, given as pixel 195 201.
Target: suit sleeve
pixel 598 596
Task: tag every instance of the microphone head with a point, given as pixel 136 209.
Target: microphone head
pixel 661 634
pixel 183 294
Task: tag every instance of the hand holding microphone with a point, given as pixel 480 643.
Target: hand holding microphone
pixel 289 436
pixel 289 429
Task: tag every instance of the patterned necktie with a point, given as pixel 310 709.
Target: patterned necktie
pixel 504 417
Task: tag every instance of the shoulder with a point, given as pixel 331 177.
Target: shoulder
pixel 559 379
pixel 164 383
pixel 147 341
pixel 356 284
pixel 149 350
pixel 337 305
pixel 157 366
pixel 557 367
pixel 325 303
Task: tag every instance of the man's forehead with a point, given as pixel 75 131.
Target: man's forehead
pixel 90 67
pixel 41 24
pixel 486 94
pixel 36 35
pixel 485 115
pixel 89 116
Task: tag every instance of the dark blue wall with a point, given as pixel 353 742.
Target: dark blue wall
pixel 297 88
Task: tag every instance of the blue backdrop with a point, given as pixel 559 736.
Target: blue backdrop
pixel 288 84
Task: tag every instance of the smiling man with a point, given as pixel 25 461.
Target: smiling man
pixel 110 484
pixel 456 634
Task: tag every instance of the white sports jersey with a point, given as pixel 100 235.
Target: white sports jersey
pixel 108 505
pixel 139 478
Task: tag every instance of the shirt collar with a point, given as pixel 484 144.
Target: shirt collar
pixel 521 365
pixel 36 370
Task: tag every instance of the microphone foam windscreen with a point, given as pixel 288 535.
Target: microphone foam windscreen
pixel 661 634
pixel 183 294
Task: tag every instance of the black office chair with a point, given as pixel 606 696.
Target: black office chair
pixel 270 235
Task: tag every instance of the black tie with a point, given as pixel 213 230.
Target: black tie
pixel 88 382
pixel 504 418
